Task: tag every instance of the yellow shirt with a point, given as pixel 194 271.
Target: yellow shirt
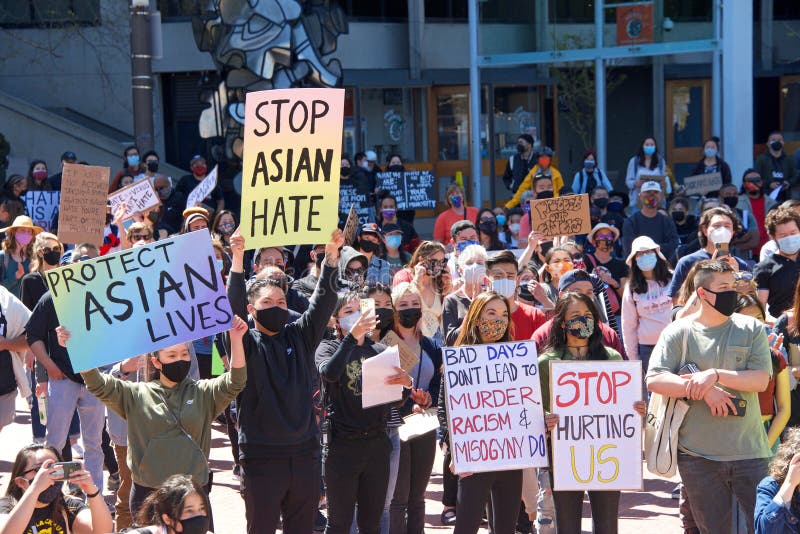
pixel 527 184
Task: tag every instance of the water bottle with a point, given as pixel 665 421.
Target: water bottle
pixel 545 506
pixel 42 399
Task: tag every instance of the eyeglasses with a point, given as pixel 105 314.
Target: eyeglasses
pixel 743 276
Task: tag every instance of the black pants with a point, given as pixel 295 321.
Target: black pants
pixel 357 472
pixel 569 511
pixel 204 365
pixel 233 434
pixel 407 511
pixel 449 482
pixel 109 458
pixel 281 487
pixel 505 490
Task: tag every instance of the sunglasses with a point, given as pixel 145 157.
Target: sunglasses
pixel 139 237
pixel 47 250
pixel 604 237
pixel 743 276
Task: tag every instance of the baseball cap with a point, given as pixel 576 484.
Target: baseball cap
pixel 68 155
pixel 370 228
pixel 652 185
pixel 371 155
pixel 571 277
pixel 391 227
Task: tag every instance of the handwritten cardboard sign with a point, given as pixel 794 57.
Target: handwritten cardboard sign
pixel 700 184
pixel 203 189
pixel 140 300
pixel 597 443
pixel 139 196
pixel 564 215
pixel 412 189
pixel 351 226
pixel 494 407
pixel 292 156
pixel 408 358
pixel 82 208
pixel 42 207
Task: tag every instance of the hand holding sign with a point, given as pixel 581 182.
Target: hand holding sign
pixel 237 251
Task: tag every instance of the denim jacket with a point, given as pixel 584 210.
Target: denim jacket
pixel 772 517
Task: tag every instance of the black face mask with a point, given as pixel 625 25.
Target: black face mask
pixel 385 317
pixel 488 227
pixel 726 301
pixel 345 171
pixel 731 202
pixel 615 206
pixel 544 194
pixel 601 202
pixel 368 246
pixel 678 216
pixel 52 257
pixel 521 149
pixel 50 494
pixel 776 145
pixel 409 317
pixel 195 525
pixel 273 318
pixel 176 371
pixel 152 166
pixel 395 168
pixel 525 293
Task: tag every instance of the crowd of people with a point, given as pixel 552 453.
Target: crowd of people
pixel 703 290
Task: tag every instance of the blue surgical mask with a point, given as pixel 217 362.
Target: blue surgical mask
pixel 649 150
pixel 464 244
pixel 647 262
pixel 710 152
pixel 588 164
pixel 133 160
pixel 394 241
pixel 220 264
pixel 789 244
pixel 501 220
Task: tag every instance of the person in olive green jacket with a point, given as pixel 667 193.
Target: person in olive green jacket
pixel 169 419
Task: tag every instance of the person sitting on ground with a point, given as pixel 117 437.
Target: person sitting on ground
pixel 179 505
pixel 777 498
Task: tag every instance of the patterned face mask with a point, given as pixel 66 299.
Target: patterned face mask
pixel 492 329
pixel 580 327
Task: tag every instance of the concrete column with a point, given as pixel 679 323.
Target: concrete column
pixel 474 106
pixel 737 86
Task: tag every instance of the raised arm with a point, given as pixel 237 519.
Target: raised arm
pixel 225 387
pixel 237 295
pixel 314 321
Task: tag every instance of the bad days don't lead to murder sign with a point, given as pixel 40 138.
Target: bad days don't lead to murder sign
pixel 290 173
pixel 494 407
pixel 140 300
pixel 597 443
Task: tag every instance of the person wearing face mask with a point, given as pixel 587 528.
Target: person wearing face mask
pixel 746 240
pixel 424 272
pixel 721 458
pixel 487 225
pixel 645 164
pixel 170 217
pixel 685 222
pixel 777 274
pixel 712 162
pixel 611 205
pixel 353 189
pixel 358 449
pixel 150 167
pixel 502 273
pixel 776 167
pixel 462 235
pixel 131 166
pixel 651 222
pixel 472 270
pixel 459 211
pixel 716 229
pixel 575 336
pixel 519 164
pixel 394 163
pixel 179 506
pixel 543 168
pixel 278 432
pixel 407 510
pixel 611 270
pixel 590 176
pixel 512 237
pixel 396 257
pixel 188 182
pixel 223 226
pixel 34 501
pixel 387 214
pixel 179 443
pixel 542 188
pixel 17 251
pixel 369 244
pixel 754 200
pixel 37 176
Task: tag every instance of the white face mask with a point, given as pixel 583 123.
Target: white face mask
pixel 474 273
pixel 504 286
pixel 365 165
pixel 347 322
pixel 513 228
pixel 720 234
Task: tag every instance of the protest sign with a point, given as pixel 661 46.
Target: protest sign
pixel 139 196
pixel 82 207
pixel 42 207
pixel 408 358
pixel 565 215
pixel 350 197
pixel 413 189
pixel 374 373
pixel 700 184
pixel 597 443
pixel 290 175
pixel 351 227
pixel 494 407
pixel 140 300
pixel 203 189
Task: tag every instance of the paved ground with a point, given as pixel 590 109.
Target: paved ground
pixel 648 511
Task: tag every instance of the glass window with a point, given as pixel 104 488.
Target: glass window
pixel 517 111
pixel 172 9
pixel 446 10
pixel 790 108
pixel 49 13
pixel 506 11
pixel 376 10
pixel 452 125
pixel 392 122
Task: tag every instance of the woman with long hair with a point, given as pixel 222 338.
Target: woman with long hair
pixel 458 210
pixel 575 336
pixel 557 262
pixel 486 223
pixel 37 176
pixel 357 456
pixel 223 226
pixel 35 502
pixel 46 255
pixel 788 324
pixel 178 506
pixel 777 498
pixel 646 163
pixel 407 511
pixel 17 251
pixel 425 271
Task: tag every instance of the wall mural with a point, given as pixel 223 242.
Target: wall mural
pixel 264 44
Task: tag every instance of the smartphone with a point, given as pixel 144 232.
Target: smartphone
pixel 722 249
pixel 367 305
pixel 63 470
pixel 546 246
pixel 739 405
pixel 689 369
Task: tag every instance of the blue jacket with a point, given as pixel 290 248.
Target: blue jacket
pixel 771 517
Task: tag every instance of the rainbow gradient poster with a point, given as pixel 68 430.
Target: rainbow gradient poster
pixel 140 300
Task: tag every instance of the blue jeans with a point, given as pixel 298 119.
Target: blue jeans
pixel 63 397
pixel 711 486
pixel 644 355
